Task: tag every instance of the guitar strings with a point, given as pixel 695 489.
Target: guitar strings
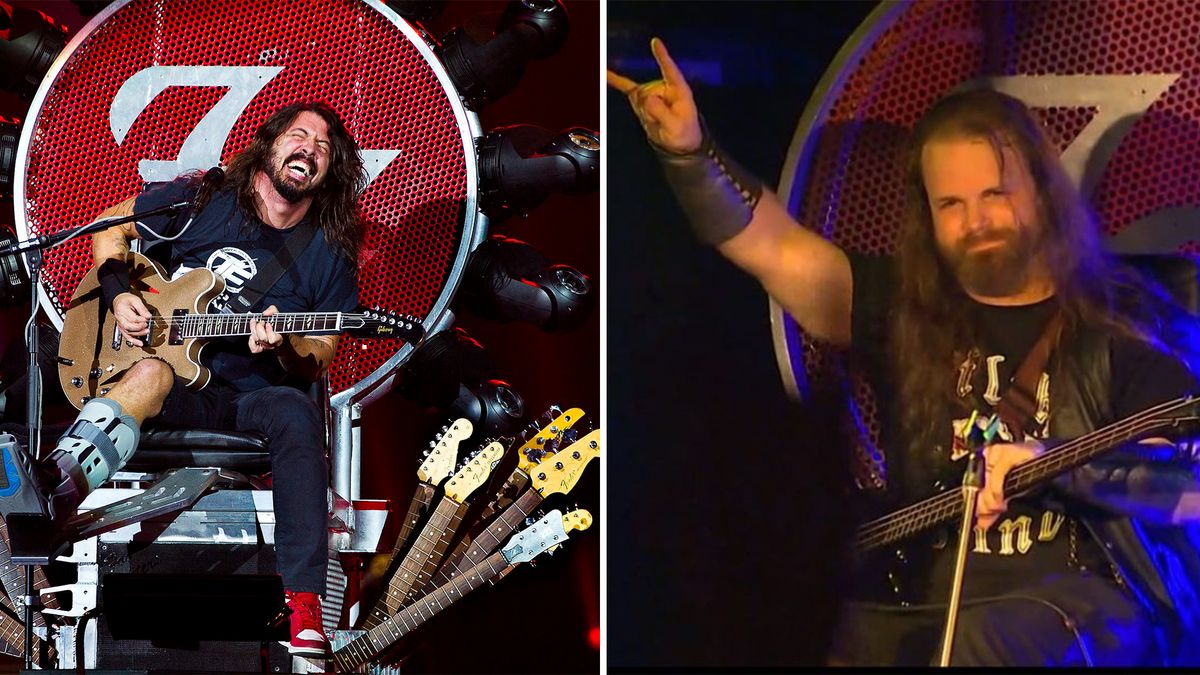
pixel 917 517
pixel 194 325
pixel 932 510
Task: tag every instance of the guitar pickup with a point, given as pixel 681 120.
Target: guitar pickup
pixel 175 332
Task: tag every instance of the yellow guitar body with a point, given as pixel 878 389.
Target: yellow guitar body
pixel 92 355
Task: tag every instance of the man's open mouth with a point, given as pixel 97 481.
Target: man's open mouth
pixel 299 168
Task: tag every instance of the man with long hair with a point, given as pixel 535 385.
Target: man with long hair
pixel 998 254
pixel 302 169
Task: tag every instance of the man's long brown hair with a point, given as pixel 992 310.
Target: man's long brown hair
pixel 335 203
pixel 930 329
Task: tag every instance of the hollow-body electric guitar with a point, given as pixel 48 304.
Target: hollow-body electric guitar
pixel 93 355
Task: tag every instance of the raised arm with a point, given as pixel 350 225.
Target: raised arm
pixel 729 208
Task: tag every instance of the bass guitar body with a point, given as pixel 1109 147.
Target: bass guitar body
pixel 93 355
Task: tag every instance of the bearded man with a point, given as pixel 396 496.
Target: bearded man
pixel 301 170
pixel 998 254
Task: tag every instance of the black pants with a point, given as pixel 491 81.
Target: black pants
pixel 1068 619
pixel 292 423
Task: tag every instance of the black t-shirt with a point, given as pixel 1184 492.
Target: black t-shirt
pixel 1030 540
pixel 235 245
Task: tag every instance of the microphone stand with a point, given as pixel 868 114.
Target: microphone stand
pixel 31 537
pixel 972 482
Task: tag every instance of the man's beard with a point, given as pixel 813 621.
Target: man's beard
pixel 282 182
pixel 997 271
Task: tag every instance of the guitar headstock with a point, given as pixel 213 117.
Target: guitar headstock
pixel 529 454
pixel 381 323
pixel 536 539
pixel 474 472
pixel 561 471
pixel 579 519
pixel 439 460
pixel 546 535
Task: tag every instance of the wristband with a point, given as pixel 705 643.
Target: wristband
pixel 113 276
pixel 717 194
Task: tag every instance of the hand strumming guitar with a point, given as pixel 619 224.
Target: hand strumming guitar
pixel 998 460
pixel 132 317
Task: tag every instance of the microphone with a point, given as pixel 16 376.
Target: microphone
pixel 212 181
pixel 213 178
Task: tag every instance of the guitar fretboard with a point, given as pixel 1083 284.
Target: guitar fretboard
pixel 232 325
pixel 416 509
pixel 379 638
pixel 490 538
pixel 420 561
pixel 513 487
pixel 948 506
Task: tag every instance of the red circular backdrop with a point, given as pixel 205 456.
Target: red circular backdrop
pixel 218 69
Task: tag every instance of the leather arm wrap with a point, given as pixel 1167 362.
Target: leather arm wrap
pixel 718 195
pixel 113 276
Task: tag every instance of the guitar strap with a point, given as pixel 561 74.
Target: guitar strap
pixel 1019 404
pixel 262 282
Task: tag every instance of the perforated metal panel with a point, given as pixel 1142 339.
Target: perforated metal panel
pixel 358 57
pixel 844 177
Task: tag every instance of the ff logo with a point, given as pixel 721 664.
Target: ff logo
pixel 198 150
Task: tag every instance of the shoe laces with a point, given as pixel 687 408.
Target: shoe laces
pixel 308 610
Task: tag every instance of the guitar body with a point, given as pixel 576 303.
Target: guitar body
pixel 91 362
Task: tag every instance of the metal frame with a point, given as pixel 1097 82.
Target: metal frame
pixel 785 333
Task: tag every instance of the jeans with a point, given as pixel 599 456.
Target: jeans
pixel 295 433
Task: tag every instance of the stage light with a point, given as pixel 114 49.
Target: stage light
pixel 14 280
pixel 507 279
pixel 520 165
pixel 451 371
pixel 494 408
pixel 528 29
pixel 29 43
pixel 415 11
pixel 10 135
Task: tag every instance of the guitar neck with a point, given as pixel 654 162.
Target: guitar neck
pixel 417 508
pixel 948 506
pixel 234 325
pixel 512 488
pixel 393 628
pixel 418 564
pixel 490 538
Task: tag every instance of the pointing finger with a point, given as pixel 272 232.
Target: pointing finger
pixel 621 83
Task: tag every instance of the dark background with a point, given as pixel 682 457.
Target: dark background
pixel 728 503
pixel 542 619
